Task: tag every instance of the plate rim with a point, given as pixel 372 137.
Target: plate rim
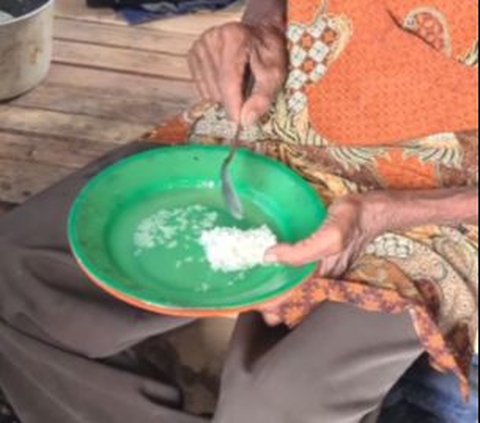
pixel 107 284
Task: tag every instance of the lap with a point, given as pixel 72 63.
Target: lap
pixel 42 290
pixel 338 364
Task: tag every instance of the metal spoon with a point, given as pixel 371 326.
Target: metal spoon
pixel 230 194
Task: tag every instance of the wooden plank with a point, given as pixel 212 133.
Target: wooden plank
pixel 122 85
pixel 76 100
pixel 69 153
pixel 109 84
pixel 77 9
pixel 122 60
pixel 20 180
pixel 30 164
pixel 66 125
pixel 138 38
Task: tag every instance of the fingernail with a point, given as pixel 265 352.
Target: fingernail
pixel 270 258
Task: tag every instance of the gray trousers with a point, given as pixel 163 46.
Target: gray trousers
pixel 56 328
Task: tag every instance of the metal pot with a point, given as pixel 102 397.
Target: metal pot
pixel 26 38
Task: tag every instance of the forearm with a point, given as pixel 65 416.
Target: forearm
pixel 271 12
pixel 401 210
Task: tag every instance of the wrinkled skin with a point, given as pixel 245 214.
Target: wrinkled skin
pixel 220 59
pixel 343 237
pixel 336 246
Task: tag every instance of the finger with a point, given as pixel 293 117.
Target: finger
pixel 231 87
pixel 235 51
pixel 329 267
pixel 328 241
pixel 256 107
pixel 271 311
pixel 269 67
pixel 208 71
pixel 264 92
pixel 272 319
pixel 195 67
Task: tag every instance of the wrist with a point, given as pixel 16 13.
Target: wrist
pixel 266 13
pixel 403 210
pixel 377 212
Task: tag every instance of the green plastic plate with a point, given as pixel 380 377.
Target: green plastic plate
pixel 134 229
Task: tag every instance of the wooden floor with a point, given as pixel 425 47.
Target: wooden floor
pixel 109 83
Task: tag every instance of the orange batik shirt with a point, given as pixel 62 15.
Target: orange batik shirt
pixel 380 95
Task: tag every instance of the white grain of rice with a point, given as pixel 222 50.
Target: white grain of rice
pixel 234 250
pixel 169 228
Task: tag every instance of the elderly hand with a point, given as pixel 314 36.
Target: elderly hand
pixel 219 61
pixel 352 224
pixel 356 220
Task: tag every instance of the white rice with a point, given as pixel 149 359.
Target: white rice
pixel 226 249
pixel 168 229
pixel 234 250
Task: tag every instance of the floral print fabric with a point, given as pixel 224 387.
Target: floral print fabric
pixel 430 271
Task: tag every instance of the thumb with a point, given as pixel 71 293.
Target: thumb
pixel 269 68
pixel 328 241
pixel 231 88
pixel 256 107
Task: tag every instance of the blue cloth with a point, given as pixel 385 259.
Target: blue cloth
pixel 165 9
pixel 424 395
